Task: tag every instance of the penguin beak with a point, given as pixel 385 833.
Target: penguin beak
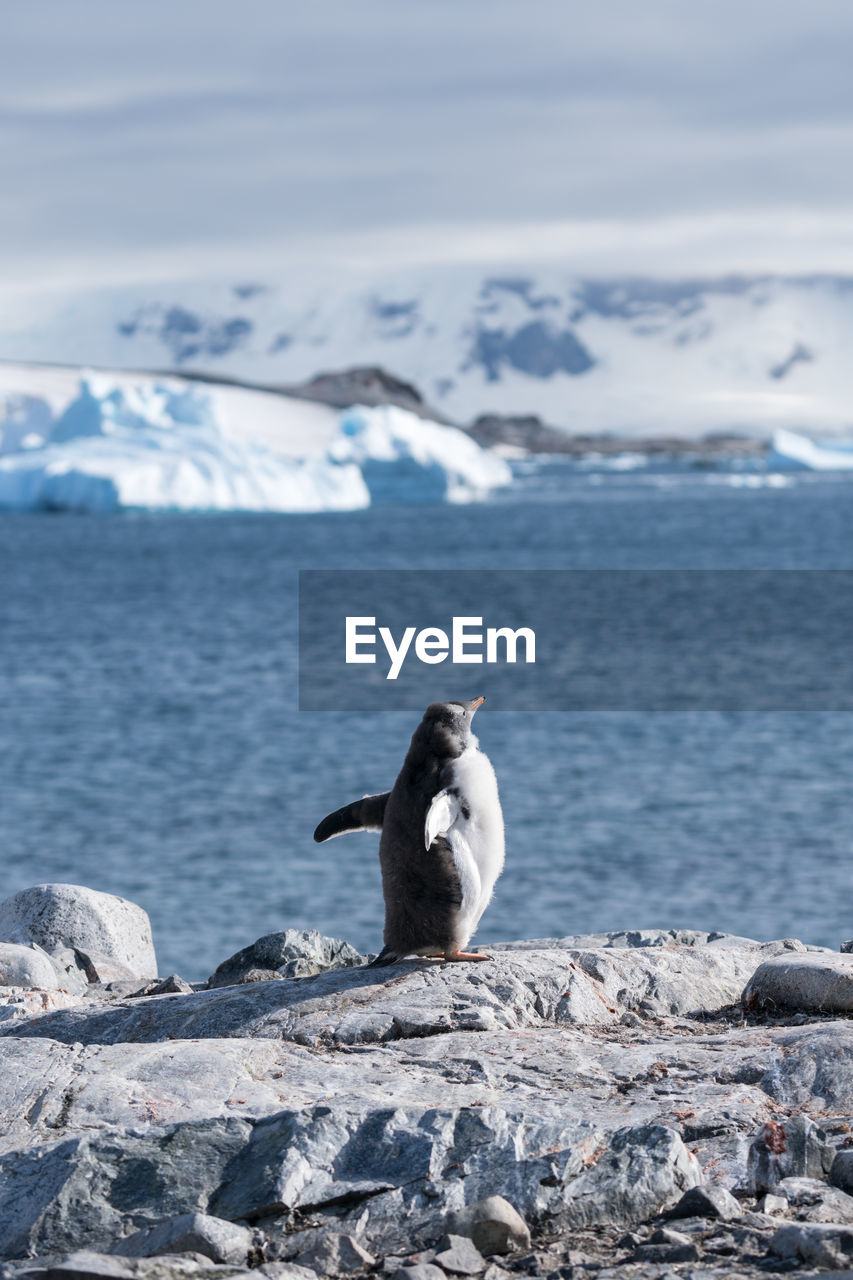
pixel 477 702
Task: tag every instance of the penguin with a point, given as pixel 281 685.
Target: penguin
pixel 442 843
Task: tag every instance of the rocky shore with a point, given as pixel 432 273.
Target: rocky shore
pixel 620 1105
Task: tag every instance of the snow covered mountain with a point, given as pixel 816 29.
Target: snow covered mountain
pixel 636 357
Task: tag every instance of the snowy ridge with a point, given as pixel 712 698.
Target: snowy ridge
pixel 636 357
pixel 170 445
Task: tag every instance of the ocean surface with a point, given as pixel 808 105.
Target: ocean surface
pixel 151 746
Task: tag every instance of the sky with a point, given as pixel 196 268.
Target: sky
pixel 175 139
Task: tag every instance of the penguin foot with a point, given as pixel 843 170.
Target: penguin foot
pixel 452 956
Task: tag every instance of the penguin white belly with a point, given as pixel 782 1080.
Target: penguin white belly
pixel 476 837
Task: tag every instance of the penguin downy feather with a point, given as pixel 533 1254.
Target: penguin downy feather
pixel 442 844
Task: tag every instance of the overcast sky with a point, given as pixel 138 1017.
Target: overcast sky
pixel 179 138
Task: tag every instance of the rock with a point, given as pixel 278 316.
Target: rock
pixel 260 975
pixel 841 1172
pixel 334 1254
pixel 196 1232
pixel 371 1105
pixel 495 1272
pixel 85 1264
pixel 26 966
pixel 493 1225
pixel 667 1235
pixel 71 970
pixel 707 1201
pixel 171 986
pixel 797 1148
pixel 815 1201
pixel 817 1244
pixel 295 953
pixel 460 1256
pixel 419 1271
pixel 20 1005
pixel 772 1204
pixel 666 1253
pixel 105 969
pixel 82 1192
pixel 285 1271
pixel 57 916
pixel 381 1161
pixel 814 983
pixel 413 999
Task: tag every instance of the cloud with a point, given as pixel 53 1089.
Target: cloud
pixel 134 136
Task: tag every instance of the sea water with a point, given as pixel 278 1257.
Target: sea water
pixel 151 746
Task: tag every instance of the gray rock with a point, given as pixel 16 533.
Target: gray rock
pixel 459 1256
pixel 707 1201
pixel 102 968
pixel 796 1148
pixel 285 1271
pixel 495 1272
pixel 20 1005
pixel 816 1201
pixel 85 1264
pixel 82 1192
pixel 80 1265
pixel 171 986
pixel 623 939
pixel 492 1224
pixel 419 1271
pixel 57 916
pixel 391 1160
pixel 414 999
pixel 196 1232
pixel 270 1104
pixel 666 1253
pixel 772 1204
pixel 71 970
pixel 841 1172
pixel 818 1244
pixel 384 1162
pixel 26 966
pixel 334 1254
pixel 294 953
pixel 814 983
pixel 667 1235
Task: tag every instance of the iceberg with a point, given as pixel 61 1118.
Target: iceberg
pixel 95 475
pixel 405 458
pixel 790 450
pixel 173 446
pixel 157 448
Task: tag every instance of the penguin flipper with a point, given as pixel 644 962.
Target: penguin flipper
pixel 441 815
pixel 362 815
pixel 386 956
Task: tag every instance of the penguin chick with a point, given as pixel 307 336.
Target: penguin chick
pixel 442 843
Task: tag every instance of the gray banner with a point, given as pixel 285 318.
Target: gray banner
pixel 608 640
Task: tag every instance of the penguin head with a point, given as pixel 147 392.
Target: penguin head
pixel 446 727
